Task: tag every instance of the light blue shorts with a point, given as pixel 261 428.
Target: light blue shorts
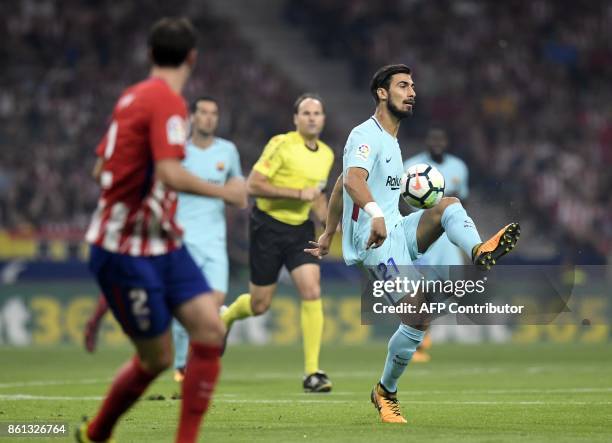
pixel 400 245
pixel 395 257
pixel 213 262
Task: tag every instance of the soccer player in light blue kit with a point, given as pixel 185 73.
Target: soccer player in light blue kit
pixel 376 235
pixel 442 252
pixel 215 160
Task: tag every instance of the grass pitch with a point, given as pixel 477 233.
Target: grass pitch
pixel 474 393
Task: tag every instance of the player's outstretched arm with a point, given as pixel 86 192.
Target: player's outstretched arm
pixel 258 185
pixel 172 173
pixel 357 188
pixel 334 213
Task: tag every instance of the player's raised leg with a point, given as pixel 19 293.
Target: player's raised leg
pixel 450 216
pixel 307 279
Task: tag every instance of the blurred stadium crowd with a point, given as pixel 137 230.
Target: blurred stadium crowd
pixel 68 62
pixel 523 88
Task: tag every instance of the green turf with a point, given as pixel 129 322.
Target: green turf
pixel 482 393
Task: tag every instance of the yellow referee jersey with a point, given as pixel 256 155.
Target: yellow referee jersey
pixel 288 163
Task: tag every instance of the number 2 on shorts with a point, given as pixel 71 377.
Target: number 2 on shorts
pixel 139 308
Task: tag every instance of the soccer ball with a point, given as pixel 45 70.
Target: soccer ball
pixel 422 186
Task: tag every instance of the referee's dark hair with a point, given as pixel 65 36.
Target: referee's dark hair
pixel 382 78
pixel 170 41
pixel 304 96
pixel 203 98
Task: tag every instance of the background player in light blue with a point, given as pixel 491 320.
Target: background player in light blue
pixel 203 218
pixel 377 236
pixel 456 178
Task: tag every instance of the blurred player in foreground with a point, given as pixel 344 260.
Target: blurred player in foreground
pixel 372 168
pixel 287 181
pixel 217 161
pixel 137 255
pixel 456 178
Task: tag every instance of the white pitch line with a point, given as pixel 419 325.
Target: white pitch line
pixel 578 390
pixel 22 397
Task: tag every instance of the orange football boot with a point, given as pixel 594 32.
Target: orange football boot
pixel 387 405
pixel 486 254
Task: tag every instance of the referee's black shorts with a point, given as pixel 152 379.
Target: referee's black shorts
pixel 274 244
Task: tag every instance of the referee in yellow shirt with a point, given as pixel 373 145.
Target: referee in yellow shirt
pixel 287 181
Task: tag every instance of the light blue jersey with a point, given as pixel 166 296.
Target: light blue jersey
pixel 203 218
pixel 372 148
pixel 456 178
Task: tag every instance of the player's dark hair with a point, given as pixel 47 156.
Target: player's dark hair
pixel 307 95
pixel 203 98
pixel 170 41
pixel 382 78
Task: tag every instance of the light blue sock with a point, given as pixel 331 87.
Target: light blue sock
pixel 401 347
pixel 181 344
pixel 460 228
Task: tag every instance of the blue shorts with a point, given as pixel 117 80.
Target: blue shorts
pixel 143 292
pixel 212 261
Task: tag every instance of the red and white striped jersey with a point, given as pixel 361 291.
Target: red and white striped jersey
pixel 136 212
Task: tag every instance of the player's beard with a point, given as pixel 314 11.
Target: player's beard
pixel 397 112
